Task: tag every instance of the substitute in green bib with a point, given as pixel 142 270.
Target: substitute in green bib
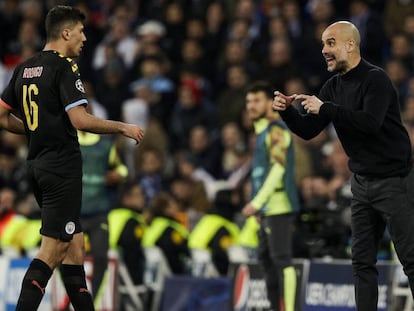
pixel 274 197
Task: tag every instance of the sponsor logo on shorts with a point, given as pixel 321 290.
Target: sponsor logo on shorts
pixel 70 227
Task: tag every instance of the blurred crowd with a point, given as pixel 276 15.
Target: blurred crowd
pixel 178 68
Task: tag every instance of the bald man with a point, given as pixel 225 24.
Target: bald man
pixel 362 104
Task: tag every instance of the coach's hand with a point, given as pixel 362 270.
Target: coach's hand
pixel 282 101
pixel 311 104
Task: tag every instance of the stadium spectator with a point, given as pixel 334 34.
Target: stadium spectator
pixel 167 233
pixel 205 149
pixel 370 25
pixel 230 101
pixel 11 223
pixel 191 109
pixel 216 230
pixel 150 174
pixel 127 225
pixel 103 171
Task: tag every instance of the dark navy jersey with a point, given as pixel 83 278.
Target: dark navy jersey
pixel 42 90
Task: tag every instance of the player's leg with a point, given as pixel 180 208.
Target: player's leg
pixel 279 230
pixel 270 272
pixel 99 242
pixel 72 270
pixel 73 275
pixel 49 193
pixel 367 230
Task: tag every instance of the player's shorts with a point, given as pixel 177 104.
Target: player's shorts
pixel 60 201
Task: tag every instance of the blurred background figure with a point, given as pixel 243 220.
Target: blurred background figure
pixel 103 171
pixel 216 231
pixel 127 225
pixel 165 232
pixel 11 224
pixel 150 174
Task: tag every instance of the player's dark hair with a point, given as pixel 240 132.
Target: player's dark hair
pixel 261 86
pixel 59 17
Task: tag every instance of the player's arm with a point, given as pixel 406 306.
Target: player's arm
pixel 84 121
pixel 118 171
pixel 277 141
pixel 72 96
pixel 9 121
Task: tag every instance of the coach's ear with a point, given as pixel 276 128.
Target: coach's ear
pixel 350 45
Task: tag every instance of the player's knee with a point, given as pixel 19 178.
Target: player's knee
pixel 62 250
pixel 281 262
pixel 74 256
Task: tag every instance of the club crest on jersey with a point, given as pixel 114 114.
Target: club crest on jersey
pixel 70 227
pixel 79 86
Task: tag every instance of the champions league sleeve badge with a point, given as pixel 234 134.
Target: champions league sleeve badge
pixel 79 85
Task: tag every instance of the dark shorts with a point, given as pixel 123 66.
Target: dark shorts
pixel 60 200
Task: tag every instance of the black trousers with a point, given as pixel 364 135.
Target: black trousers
pixel 275 254
pixel 377 203
pixel 96 227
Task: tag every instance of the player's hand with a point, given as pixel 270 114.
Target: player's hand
pixel 248 210
pixel 112 178
pixel 311 104
pixel 133 131
pixel 282 101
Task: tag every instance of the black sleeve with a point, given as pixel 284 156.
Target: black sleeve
pixel 306 126
pixel 72 92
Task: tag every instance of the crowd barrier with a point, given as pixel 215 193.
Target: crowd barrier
pixel 12 270
pixel 322 286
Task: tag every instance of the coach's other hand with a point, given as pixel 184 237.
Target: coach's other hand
pixel 282 101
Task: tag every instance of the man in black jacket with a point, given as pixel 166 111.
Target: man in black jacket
pixel 362 105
